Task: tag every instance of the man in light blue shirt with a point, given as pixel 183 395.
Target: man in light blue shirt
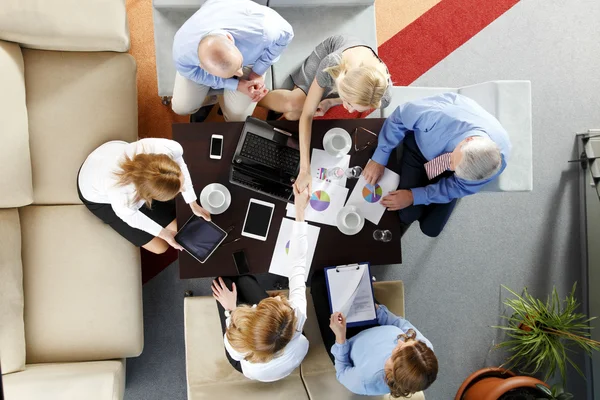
pixel 227 44
pixel 452 148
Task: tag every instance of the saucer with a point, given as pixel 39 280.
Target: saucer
pixel 204 198
pixel 340 225
pixel 327 140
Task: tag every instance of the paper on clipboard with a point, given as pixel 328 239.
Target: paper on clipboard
pixel 351 293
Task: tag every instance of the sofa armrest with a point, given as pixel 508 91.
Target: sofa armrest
pixel 97 380
pixel 68 25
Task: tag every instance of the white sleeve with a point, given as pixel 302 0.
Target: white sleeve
pixel 175 151
pixel 132 216
pixel 236 355
pixel 298 250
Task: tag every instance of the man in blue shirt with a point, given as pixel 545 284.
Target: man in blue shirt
pixel 452 148
pixel 227 44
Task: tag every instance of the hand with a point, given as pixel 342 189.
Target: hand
pixel 373 172
pixel 169 236
pixel 253 76
pixel 199 211
pixel 397 200
pixel 227 298
pixel 337 323
pixel 255 89
pixel 303 181
pixel 324 106
pixel 301 201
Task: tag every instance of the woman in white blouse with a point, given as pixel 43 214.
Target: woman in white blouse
pixel 262 334
pixel 132 187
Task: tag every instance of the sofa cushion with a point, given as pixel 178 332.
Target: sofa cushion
pixel 12 329
pixel 71 25
pixel 100 380
pixel 82 287
pixel 15 174
pixel 76 102
pixel 314 24
pixel 209 374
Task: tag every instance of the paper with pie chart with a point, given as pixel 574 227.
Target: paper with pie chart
pixel 280 262
pixel 326 200
pixel 367 197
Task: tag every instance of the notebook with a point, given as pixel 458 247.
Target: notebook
pixel 350 291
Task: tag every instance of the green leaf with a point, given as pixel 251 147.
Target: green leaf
pixel 544 389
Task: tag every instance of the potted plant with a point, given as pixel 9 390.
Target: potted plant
pixel 539 336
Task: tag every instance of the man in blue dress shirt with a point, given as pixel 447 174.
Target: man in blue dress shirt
pixel 227 44
pixel 452 148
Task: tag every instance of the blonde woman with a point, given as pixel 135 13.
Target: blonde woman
pixel 132 187
pixel 341 70
pixel 263 335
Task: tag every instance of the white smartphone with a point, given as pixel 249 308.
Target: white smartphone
pixel 258 219
pixel 216 147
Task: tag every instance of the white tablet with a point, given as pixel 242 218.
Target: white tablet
pixel 258 219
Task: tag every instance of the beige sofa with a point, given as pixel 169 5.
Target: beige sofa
pixel 70 287
pixel 209 375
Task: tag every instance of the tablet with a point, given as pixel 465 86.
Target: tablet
pixel 258 219
pixel 200 238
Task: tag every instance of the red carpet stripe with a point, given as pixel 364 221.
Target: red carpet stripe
pixel 436 34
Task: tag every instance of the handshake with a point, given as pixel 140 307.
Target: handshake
pixel 253 87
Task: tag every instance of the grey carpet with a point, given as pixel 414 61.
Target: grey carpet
pixel 517 239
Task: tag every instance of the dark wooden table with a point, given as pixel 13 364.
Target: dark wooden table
pixel 333 247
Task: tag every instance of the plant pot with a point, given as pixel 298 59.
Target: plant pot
pixel 491 383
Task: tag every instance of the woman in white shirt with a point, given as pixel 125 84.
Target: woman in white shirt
pixel 132 187
pixel 262 334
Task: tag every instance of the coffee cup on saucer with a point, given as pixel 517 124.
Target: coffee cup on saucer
pixel 337 142
pixel 215 198
pixel 350 221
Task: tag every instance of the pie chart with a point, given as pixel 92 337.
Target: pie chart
pixel 320 200
pixel 287 247
pixel 372 194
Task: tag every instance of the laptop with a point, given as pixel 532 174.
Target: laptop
pixel 266 160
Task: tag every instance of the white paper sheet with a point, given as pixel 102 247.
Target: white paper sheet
pixel 280 261
pixel 326 200
pixel 321 161
pixel 368 198
pixel 351 293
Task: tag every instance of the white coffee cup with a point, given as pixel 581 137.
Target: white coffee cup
pixel 338 142
pixel 351 220
pixel 216 198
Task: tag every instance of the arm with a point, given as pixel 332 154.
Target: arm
pixel 385 317
pixel 297 257
pixel 407 117
pixel 198 75
pixel 308 111
pixel 134 218
pixel 446 189
pixel 345 371
pixel 279 39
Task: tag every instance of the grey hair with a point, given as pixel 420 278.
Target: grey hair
pixel 481 159
pixel 219 55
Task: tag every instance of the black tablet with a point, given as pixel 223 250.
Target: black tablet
pixel 200 238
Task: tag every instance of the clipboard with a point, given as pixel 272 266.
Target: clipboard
pixel 358 290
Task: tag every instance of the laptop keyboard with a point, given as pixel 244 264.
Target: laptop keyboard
pixel 271 154
pixel 274 190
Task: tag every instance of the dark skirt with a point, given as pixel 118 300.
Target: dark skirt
pixel 163 213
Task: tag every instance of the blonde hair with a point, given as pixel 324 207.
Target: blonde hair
pixel 262 331
pixel 155 177
pixel 414 368
pixel 364 85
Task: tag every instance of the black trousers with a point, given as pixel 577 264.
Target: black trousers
pixel 249 292
pixel 433 217
pixel 318 291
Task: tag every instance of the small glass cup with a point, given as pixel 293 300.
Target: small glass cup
pixel 382 235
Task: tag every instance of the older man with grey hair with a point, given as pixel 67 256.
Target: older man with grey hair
pixel 227 44
pixel 452 148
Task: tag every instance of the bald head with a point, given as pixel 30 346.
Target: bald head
pixel 219 56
